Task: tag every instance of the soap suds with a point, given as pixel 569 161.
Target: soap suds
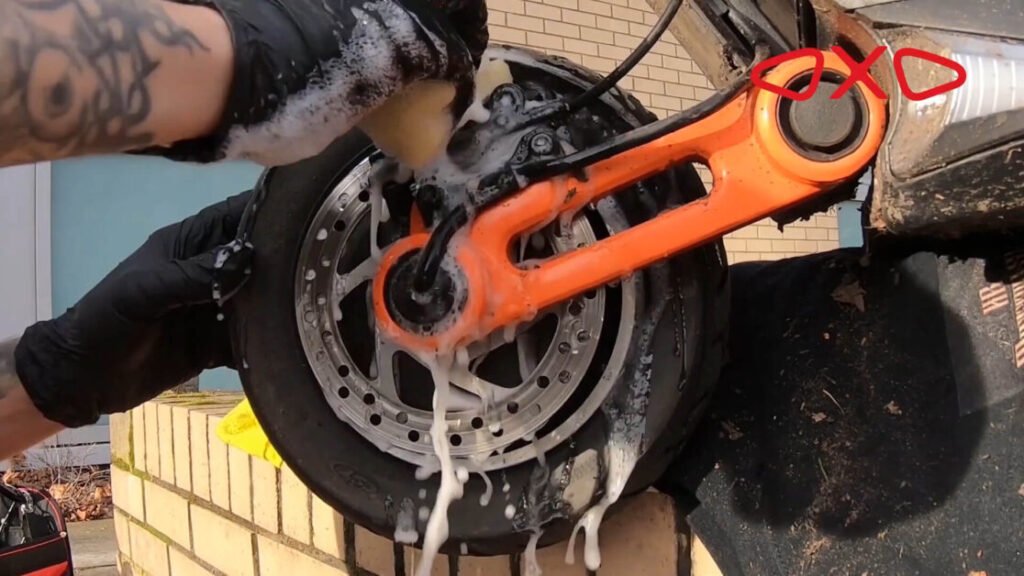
pixel 530 554
pixel 451 488
pixel 485 498
pixel 336 102
pixel 621 460
pixel 426 155
pixel 405 524
pixel 383 173
pixel 628 421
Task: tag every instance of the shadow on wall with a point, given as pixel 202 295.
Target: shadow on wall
pixel 854 441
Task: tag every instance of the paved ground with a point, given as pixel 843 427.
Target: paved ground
pixel 94 548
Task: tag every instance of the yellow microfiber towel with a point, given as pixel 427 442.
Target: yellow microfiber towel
pixel 241 430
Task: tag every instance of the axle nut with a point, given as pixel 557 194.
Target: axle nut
pixel 823 128
pixel 420 311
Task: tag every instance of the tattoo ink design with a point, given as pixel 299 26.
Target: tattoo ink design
pixel 74 74
pixel 8 375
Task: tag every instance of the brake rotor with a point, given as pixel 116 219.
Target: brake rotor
pixel 511 386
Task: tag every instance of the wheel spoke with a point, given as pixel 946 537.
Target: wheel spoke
pixel 484 391
pixel 481 348
pixel 346 283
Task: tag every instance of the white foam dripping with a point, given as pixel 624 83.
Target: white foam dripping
pixel 424 513
pixel 530 554
pixel 510 511
pixel 622 458
pixel 426 470
pixel 524 241
pixel 509 333
pixel 538 451
pixel 622 453
pixel 476 112
pixel 321 234
pixel 451 487
pixel 492 73
pixel 463 549
pixel 405 525
pixel 485 498
pixel 376 212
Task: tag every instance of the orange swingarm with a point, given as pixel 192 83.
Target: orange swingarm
pixel 757 172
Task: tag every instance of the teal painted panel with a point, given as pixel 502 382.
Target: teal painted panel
pixel 104 208
pixel 851 233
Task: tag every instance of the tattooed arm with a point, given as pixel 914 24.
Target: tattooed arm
pixel 205 80
pixel 97 76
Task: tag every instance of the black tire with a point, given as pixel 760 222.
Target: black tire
pixel 366 485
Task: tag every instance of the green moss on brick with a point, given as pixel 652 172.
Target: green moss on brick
pixel 131 439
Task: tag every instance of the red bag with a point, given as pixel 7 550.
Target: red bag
pixel 33 535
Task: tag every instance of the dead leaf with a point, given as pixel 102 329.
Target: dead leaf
pixel 893 408
pixel 731 431
pixel 58 491
pixel 815 546
pixel 850 293
pixel 1021 490
pixel 818 417
pixel 977 573
pixel 82 492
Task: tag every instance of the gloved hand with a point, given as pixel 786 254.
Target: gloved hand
pixel 306 71
pixel 149 325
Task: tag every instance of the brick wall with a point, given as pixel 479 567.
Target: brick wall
pixel 599 34
pixel 185 504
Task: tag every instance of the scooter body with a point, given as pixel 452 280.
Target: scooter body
pixel 951 167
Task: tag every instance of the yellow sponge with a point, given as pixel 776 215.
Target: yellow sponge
pixel 241 430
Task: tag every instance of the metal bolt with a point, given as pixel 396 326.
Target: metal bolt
pixel 542 144
pixel 564 376
pixel 583 335
pixel 563 347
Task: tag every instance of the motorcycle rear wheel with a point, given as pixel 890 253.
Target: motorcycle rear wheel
pixel 351 436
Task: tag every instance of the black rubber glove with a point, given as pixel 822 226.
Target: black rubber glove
pixel 306 71
pixel 151 324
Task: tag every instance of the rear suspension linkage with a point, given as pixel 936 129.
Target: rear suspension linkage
pixel 766 153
